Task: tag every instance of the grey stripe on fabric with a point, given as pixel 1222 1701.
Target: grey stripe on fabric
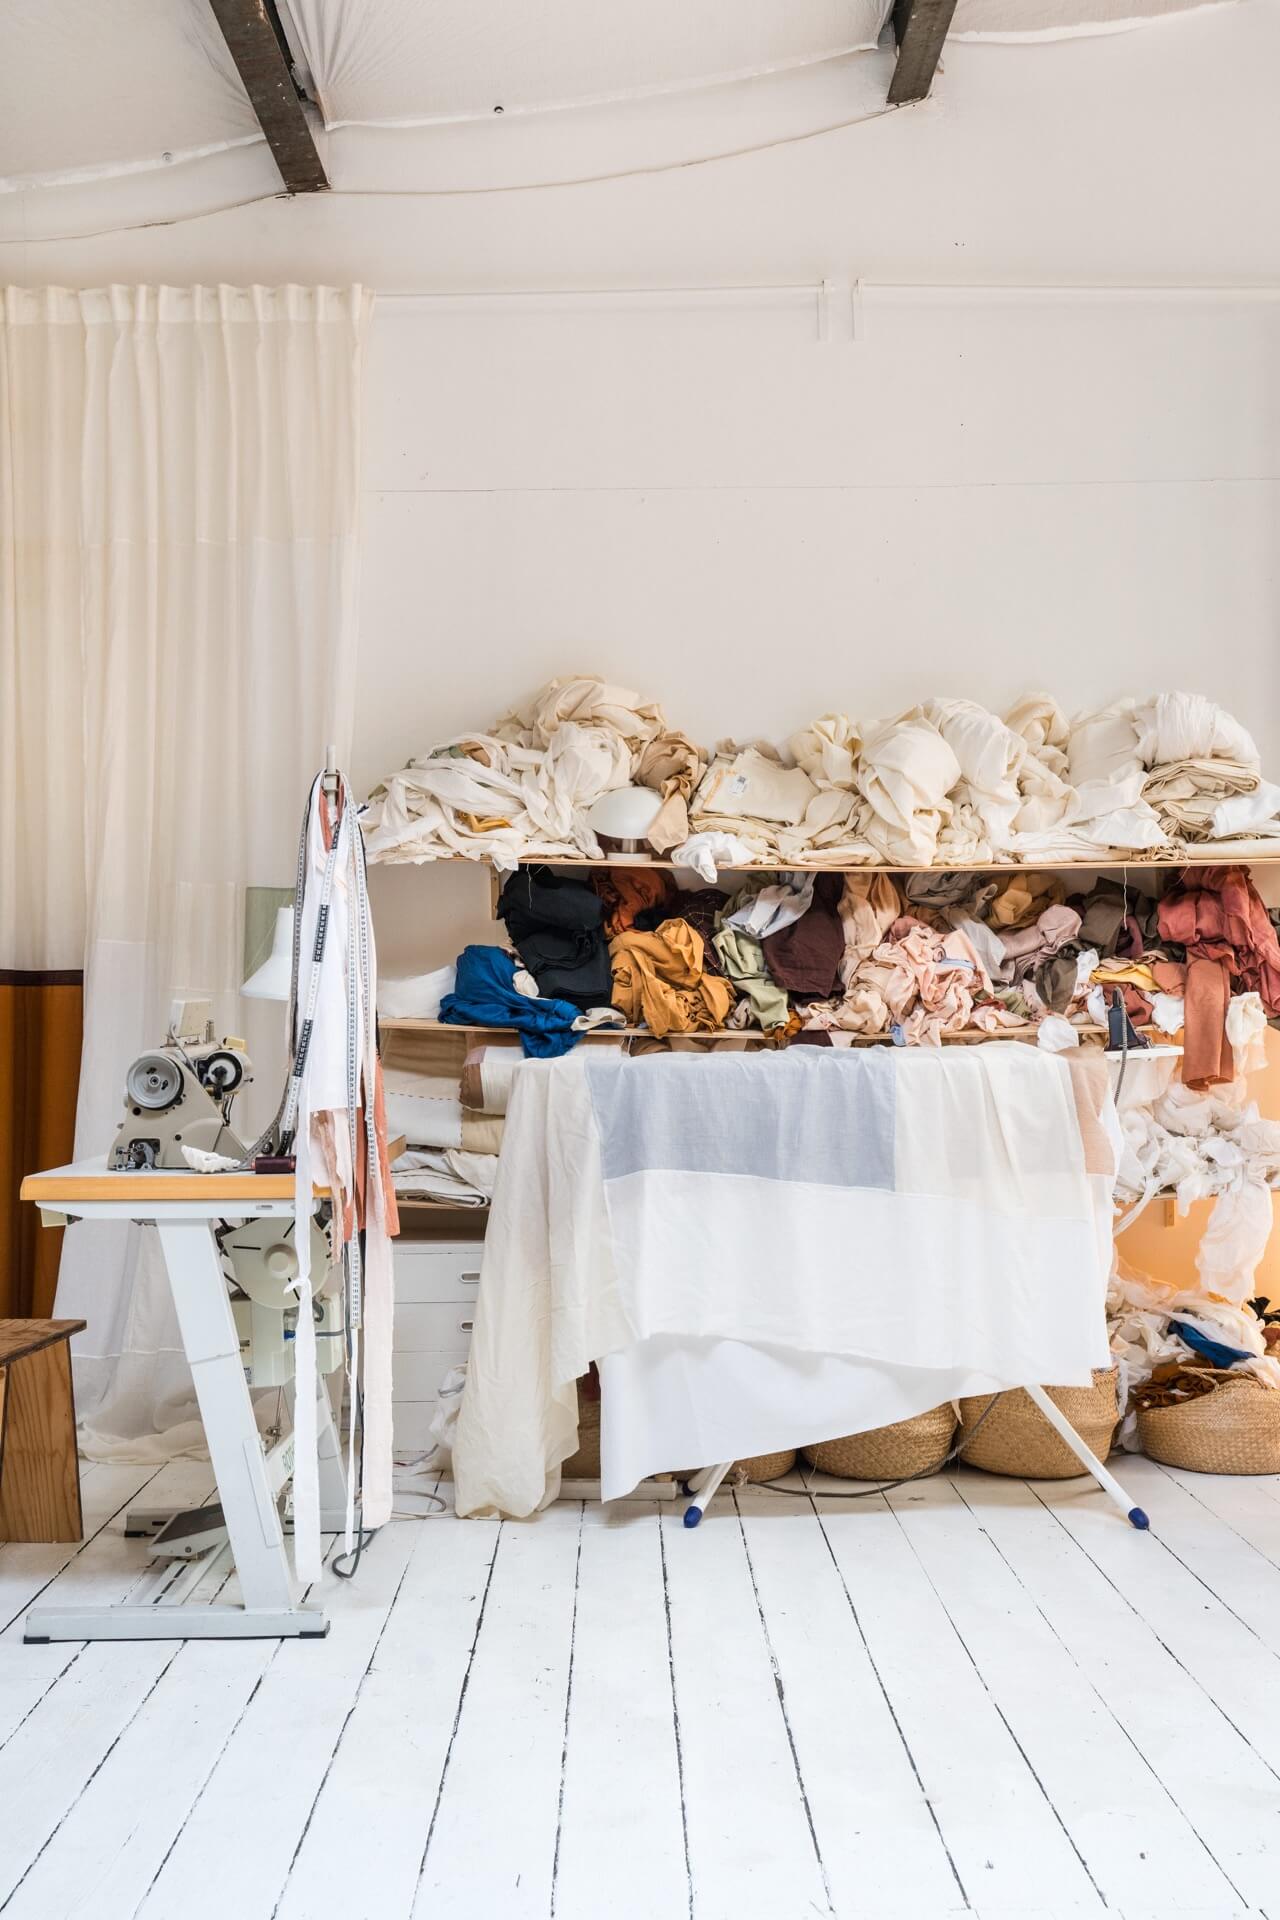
pixel 823 1116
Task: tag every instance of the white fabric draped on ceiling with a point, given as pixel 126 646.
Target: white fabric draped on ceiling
pixel 183 532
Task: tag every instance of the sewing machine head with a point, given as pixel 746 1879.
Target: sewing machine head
pixel 181 1096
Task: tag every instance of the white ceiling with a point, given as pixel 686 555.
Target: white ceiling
pixel 122 112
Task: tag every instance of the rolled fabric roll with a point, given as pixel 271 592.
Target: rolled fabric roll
pixel 487 1074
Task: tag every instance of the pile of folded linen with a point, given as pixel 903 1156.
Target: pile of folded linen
pixel 451 1151
pixel 944 783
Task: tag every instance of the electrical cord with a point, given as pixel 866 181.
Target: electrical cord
pixel 363 1534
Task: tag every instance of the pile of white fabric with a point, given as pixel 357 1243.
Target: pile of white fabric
pixel 525 787
pixel 1199 1146
pixel 945 783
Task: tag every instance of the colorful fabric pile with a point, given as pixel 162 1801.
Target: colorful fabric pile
pixel 833 958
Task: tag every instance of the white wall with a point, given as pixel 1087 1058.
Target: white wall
pixel 977 495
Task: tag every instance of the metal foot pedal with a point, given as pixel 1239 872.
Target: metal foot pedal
pixel 188 1535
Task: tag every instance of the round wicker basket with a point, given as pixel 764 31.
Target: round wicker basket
pixel 1016 1439
pixel 764 1466
pixel 917 1446
pixel 1234 1429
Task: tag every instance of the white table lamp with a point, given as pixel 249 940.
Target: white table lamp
pixel 272 979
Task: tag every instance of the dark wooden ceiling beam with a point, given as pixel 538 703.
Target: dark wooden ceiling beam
pixel 251 39
pixel 920 27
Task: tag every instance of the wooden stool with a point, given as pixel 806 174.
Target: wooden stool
pixel 39 1466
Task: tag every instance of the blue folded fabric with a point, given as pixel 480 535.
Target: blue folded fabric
pixel 483 996
pixel 1213 1351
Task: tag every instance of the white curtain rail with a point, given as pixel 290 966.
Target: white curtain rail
pixel 781 297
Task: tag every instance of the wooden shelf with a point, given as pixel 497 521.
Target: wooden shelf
pixel 1163 863
pixel 969 1036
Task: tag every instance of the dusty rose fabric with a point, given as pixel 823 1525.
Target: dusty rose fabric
pixel 1218 916
pixel 1207 1056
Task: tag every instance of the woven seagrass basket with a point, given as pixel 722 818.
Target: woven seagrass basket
pixel 1234 1429
pixel 764 1466
pixel 917 1446
pixel 1016 1439
pixel 585 1463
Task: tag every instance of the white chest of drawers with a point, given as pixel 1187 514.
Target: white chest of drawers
pixel 437 1285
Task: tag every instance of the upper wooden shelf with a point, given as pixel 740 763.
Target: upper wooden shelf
pixel 1214 857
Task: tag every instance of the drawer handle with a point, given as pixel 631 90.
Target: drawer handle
pixel 469 1279
pixel 466 1326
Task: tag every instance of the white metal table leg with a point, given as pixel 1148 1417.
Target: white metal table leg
pixel 703 1487
pixel 244 1486
pixel 1089 1461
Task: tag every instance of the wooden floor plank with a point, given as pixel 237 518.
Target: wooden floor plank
pixel 113 1841
pixel 235 1850
pixel 1208 1768
pixel 995 1818
pixel 25 1571
pixel 386 1770
pixel 879 1837
pixel 475 1863
pixel 622 1748
pixel 1129 1832
pixel 1228 1536
pixel 1223 1654
pixel 751 1847
pixel 63 1706
pixel 1246 1502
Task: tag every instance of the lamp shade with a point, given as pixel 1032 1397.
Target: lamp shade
pixel 274 977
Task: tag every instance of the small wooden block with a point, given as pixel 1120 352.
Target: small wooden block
pixel 39 1466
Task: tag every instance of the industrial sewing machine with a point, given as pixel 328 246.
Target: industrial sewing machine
pixel 180 1097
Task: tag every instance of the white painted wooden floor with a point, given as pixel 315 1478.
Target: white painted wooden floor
pixel 970 1696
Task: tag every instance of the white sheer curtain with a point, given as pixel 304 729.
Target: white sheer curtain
pixel 185 630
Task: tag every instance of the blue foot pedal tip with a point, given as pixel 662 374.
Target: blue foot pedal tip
pixel 1138 1519
pixel 692 1515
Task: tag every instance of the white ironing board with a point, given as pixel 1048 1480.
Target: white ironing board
pixel 183 1208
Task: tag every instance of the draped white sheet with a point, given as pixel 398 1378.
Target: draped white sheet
pixel 182 540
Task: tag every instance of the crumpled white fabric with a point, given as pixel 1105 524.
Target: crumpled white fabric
pixel 774 907
pixel 1246 1029
pixel 1187 726
pixel 485 798
pixel 583 700
pixel 1057 1034
pixel 417 996
pixel 990 756
pixel 905 775
pixel 828 751
pixel 706 853
pixel 522 789
pixel 1200 1146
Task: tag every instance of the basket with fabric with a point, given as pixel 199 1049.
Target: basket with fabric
pixel 1235 1428
pixel 585 1463
pixel 906 1450
pixel 1017 1440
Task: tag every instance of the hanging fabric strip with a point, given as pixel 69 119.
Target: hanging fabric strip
pixel 333 1115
